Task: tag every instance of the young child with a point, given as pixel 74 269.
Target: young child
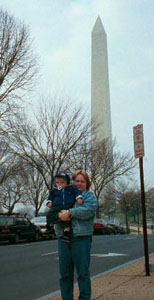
pixel 62 196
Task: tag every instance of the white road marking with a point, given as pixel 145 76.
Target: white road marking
pixel 50 253
pixel 109 254
pixel 130 238
pixel 94 255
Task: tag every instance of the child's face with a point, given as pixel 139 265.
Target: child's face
pixel 61 182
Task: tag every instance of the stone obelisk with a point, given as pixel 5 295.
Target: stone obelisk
pixel 100 96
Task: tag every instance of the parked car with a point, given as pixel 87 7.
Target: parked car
pixel 14 227
pixel 100 226
pixel 41 222
pixel 117 226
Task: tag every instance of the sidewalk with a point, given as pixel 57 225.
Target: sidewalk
pixel 126 283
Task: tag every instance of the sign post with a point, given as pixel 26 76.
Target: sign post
pixel 139 153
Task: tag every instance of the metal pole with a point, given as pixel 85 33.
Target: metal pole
pixel 146 252
pixel 138 216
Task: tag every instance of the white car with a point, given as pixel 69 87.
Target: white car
pixel 41 222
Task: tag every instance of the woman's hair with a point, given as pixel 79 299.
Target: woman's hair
pixel 85 175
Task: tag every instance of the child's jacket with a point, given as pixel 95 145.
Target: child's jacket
pixel 65 196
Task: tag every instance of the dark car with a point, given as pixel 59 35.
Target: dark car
pixel 117 226
pixel 41 222
pixel 100 226
pixel 14 227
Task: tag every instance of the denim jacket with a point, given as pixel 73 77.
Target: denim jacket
pixel 82 216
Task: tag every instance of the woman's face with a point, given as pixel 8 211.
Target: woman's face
pixel 80 183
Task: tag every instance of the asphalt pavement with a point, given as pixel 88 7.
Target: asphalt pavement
pixel 30 270
pixel 129 282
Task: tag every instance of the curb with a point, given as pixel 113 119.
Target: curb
pixel 45 297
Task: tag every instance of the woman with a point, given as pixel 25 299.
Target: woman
pixel 76 253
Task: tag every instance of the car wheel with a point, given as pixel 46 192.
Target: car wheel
pixel 54 235
pixel 15 239
pixel 37 236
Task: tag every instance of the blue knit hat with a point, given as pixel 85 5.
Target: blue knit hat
pixel 63 175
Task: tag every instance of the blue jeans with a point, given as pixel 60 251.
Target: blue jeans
pixel 75 254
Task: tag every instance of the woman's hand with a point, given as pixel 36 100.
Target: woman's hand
pixel 64 215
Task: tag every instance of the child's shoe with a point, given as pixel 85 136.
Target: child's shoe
pixel 66 236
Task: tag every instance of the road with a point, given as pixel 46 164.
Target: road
pixel 30 270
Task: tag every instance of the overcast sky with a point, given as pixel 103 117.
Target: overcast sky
pixel 62 37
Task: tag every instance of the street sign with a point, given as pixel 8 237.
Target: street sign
pixel 138 140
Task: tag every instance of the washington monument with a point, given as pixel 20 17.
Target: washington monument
pixel 100 97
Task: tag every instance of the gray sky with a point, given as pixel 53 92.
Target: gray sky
pixel 62 38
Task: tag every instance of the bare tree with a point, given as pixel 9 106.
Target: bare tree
pixel 13 191
pixel 36 190
pixel 150 199
pixel 4 157
pixel 49 143
pixel 18 66
pixel 108 164
pixel 59 139
pixel 136 205
pixel 10 164
pixel 128 199
pixel 105 164
pixel 109 205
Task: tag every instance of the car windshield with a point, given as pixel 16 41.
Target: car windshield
pixel 39 220
pixel 6 221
